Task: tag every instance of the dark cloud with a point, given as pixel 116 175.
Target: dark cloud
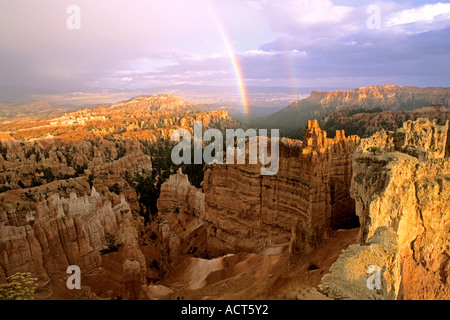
pixel 138 44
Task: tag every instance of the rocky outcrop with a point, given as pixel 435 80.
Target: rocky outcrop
pixel 366 123
pixel 170 247
pixel 401 182
pixel 179 199
pixel 134 264
pixel 179 196
pixel 421 139
pixel 386 97
pixel 306 199
pixel 348 276
pixel 43 232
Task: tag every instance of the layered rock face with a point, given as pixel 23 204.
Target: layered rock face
pixel 401 184
pixel 309 196
pixel 178 195
pixel 447 148
pixel 179 198
pixel 51 217
pixel 366 123
pixel 384 96
pixel 43 233
pixel 421 139
pixel 387 97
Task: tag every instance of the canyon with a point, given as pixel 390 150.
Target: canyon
pixel 74 192
pixel 400 183
pixel 310 192
pixel 321 104
pixel 366 122
pixel 71 192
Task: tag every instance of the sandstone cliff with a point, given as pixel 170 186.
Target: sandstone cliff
pixel 387 97
pixel 178 195
pixel 365 123
pixel 68 185
pixel 43 232
pixel 301 204
pixel 245 211
pixel 402 186
pixel 181 216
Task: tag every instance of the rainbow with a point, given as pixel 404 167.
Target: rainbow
pixel 234 61
pixel 290 66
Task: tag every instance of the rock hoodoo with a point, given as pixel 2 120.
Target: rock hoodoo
pixel 401 184
pixel 301 204
pixel 245 211
pixel 55 232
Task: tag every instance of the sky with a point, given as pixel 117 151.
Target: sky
pixel 60 46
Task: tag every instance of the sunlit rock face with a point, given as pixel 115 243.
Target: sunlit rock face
pixel 365 123
pixel 244 210
pixel 68 186
pixel 332 107
pixel 401 184
pixel 47 233
pixel 178 195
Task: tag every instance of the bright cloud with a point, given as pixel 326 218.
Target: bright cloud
pixel 426 13
pixel 309 18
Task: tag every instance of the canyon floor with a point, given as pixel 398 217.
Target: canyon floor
pixel 271 274
pixel 97 189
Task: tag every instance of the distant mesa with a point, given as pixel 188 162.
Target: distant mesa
pixel 159 102
pixel 364 122
pixel 31 111
pixel 5 137
pixel 385 97
pixel 148 118
pixel 43 110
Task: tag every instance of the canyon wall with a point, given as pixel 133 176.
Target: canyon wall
pixel 447 148
pixel 61 187
pixel 399 180
pixel 179 199
pixel 245 211
pixel 366 123
pixel 401 185
pixel 386 97
pixel 178 195
pixel 43 232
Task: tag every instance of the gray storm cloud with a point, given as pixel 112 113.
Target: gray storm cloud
pixel 138 44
